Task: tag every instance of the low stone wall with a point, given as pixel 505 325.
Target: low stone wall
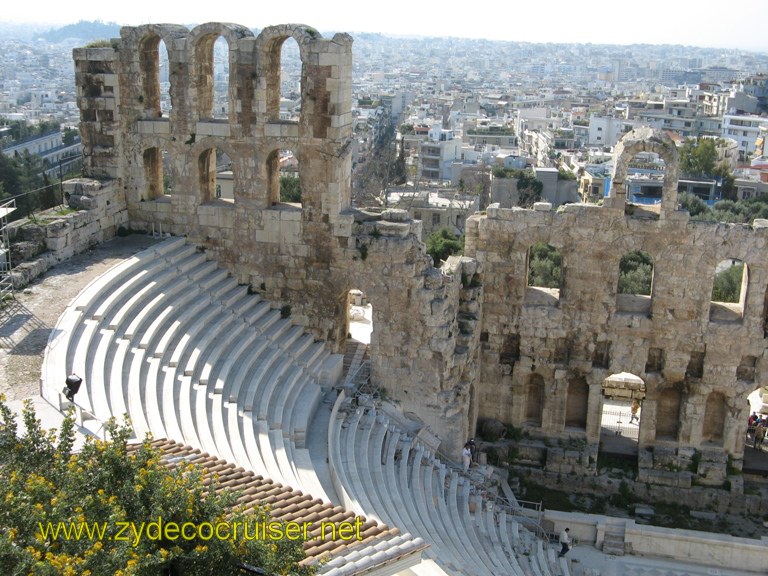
pixel 720 550
pixel 40 244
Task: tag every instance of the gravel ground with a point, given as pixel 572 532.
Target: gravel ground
pixel 26 323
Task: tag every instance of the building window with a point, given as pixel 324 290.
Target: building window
pixel 435 219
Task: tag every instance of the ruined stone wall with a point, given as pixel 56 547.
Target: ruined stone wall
pixel 453 345
pixel 307 255
pixel 679 342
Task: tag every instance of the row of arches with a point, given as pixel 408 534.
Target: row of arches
pixel 636 278
pixel 669 404
pixel 222 64
pixel 219 174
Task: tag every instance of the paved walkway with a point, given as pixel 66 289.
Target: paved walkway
pixel 26 322
pixel 588 561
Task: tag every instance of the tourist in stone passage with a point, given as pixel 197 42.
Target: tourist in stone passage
pixel 466 456
pixel 565 542
pixel 635 408
pixel 473 449
pixel 759 433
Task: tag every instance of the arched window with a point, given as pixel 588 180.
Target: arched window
pixel 283 178
pixel 216 176
pixel 212 76
pixel 284 81
pixel 729 291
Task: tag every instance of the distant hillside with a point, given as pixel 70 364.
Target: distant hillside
pixel 86 31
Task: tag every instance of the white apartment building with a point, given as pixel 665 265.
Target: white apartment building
pixel 745 129
pixel 439 153
pixel 605 130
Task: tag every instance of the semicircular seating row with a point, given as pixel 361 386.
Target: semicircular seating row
pixel 174 342
pixel 381 472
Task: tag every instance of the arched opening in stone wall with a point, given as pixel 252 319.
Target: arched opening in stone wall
pixel 635 283
pixel 621 413
pixel 212 76
pixel 668 414
pixel 577 403
pixel 756 458
pixel 645 174
pixel 358 316
pixel 713 426
pixel 284 183
pixel 544 272
pixel 155 88
pixel 534 400
pixel 216 176
pixel 729 291
pixel 284 80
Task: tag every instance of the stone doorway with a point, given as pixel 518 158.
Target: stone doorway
pixel 619 430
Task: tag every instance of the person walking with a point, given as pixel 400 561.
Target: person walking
pixel 635 407
pixel 565 542
pixel 466 456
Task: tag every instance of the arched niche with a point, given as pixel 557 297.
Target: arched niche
pixel 668 414
pixel 534 400
pixel 644 140
pixel 713 426
pixel 577 403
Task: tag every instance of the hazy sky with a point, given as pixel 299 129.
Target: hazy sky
pixel 688 22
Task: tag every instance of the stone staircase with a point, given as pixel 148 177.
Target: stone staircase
pixel 613 540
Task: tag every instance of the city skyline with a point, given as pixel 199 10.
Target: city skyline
pixel 588 21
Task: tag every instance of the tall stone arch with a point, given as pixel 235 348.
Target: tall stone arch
pixel 201 152
pixel 269 44
pixel 200 52
pixel 148 38
pixel 645 139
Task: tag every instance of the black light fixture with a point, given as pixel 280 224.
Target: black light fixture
pixel 73 383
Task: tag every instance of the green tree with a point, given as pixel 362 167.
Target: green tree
pixel 727 284
pixel 290 189
pixel 443 243
pixel 529 189
pixel 693 204
pixel 727 181
pixel 698 157
pixel 42 480
pixel 68 136
pixel 406 129
pixel 544 266
pixel 635 273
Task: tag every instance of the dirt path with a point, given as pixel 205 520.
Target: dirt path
pixel 26 322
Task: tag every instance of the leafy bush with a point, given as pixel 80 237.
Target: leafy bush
pixel 443 243
pixel 108 488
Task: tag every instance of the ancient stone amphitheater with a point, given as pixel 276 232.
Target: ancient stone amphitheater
pixel 228 336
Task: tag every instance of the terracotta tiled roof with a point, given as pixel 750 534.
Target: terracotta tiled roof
pixel 378 546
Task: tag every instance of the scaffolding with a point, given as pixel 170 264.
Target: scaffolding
pixel 6 282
